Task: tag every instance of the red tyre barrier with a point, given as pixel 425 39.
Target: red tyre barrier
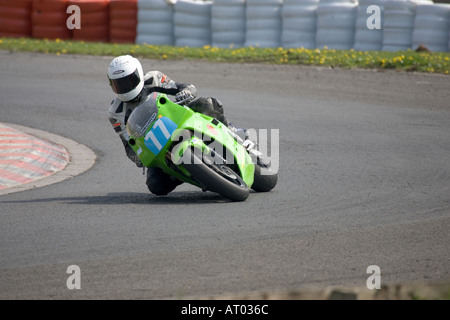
pixel 51 32
pixel 91 34
pixel 91 6
pixel 15 16
pixel 123 21
pixel 14 28
pixel 49 19
pixel 94 20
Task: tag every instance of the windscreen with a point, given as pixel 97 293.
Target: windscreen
pixel 142 117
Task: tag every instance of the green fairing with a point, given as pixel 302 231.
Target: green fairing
pixel 164 130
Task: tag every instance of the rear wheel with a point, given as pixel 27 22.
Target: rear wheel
pixel 216 177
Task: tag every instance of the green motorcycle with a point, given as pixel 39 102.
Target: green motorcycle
pixel 196 149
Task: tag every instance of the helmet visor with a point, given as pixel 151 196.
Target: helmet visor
pixel 125 84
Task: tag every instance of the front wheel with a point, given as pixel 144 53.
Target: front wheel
pixel 216 177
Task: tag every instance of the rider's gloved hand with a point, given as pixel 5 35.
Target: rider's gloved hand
pixel 249 144
pixel 133 156
pixel 183 95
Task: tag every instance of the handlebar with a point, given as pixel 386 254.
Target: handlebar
pixel 181 102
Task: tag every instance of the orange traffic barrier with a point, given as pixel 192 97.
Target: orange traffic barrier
pixel 15 18
pixel 123 21
pixel 49 19
pixel 94 20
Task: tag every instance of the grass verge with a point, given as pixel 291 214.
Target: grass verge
pixel 432 62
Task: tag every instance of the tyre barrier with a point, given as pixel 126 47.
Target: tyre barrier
pixel 299 23
pixel 15 18
pixel 398 25
pixel 263 24
pixel 94 20
pixel 48 19
pixel 431 26
pixel 336 24
pixel 122 21
pixel 192 23
pixel 228 23
pixel 368 39
pixel 154 22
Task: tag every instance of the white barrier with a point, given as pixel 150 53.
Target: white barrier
pixel 369 39
pixel 192 23
pixel 398 25
pixel 336 24
pixel 431 27
pixel 155 22
pixel 299 23
pixel 263 23
pixel 228 23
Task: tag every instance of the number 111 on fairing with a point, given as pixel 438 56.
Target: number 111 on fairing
pixel 160 134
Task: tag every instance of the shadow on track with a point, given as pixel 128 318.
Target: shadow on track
pixel 120 198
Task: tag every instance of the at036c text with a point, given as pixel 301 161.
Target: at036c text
pixel 246 309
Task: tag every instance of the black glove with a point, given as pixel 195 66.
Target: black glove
pixel 133 156
pixel 184 96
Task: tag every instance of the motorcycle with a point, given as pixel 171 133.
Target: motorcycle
pixel 196 149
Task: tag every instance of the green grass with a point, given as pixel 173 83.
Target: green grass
pixel 432 62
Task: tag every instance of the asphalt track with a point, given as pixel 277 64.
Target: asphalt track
pixel 364 179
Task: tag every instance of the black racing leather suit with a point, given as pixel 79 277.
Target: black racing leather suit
pixel 157 181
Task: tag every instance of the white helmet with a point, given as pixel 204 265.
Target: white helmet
pixel 126 77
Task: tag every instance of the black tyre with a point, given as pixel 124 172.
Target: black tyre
pixel 218 178
pixel 265 179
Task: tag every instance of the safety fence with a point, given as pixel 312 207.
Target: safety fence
pixel 365 25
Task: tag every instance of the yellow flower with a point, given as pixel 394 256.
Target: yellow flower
pixel 164 56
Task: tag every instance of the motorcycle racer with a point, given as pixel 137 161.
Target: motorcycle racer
pixel 131 86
